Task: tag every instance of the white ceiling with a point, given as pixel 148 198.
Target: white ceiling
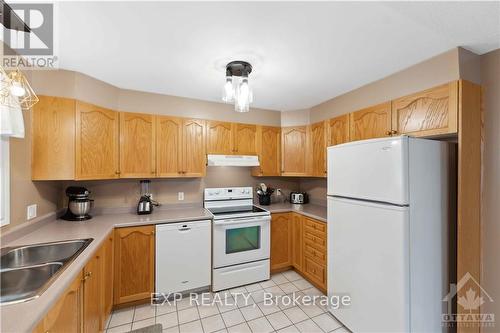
pixel 302 53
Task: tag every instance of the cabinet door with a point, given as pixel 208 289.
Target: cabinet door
pixel 137 142
pixel 53 145
pixel 372 122
pixel 92 300
pixel 245 139
pixel 430 112
pixel 66 315
pixel 97 147
pixel 134 264
pixel 219 138
pixel 169 146
pixel 194 159
pixel 269 141
pixel 107 278
pixel 294 151
pixel 297 242
pixel 338 129
pixel 281 241
pixel 318 139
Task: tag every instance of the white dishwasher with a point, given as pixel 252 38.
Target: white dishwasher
pixel 183 256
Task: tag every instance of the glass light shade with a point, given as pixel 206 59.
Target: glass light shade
pixel 228 91
pixel 17 89
pixel 243 96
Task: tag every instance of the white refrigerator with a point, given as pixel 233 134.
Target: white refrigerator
pixel 387 233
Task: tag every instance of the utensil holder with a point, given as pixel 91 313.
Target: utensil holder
pixel 265 200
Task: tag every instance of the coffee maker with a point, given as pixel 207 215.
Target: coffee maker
pixel 79 204
pixel 145 205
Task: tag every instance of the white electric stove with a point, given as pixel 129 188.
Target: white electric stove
pixel 241 237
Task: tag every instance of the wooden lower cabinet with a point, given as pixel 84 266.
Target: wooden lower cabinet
pixel 134 264
pixel 66 315
pixel 281 242
pixel 297 239
pixel 107 278
pixel 92 300
pixel 300 242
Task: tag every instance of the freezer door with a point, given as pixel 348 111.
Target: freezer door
pixel 368 259
pixel 374 169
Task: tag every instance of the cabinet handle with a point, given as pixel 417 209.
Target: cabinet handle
pixel 388 133
pixel 394 132
pixel 117 172
pixel 86 276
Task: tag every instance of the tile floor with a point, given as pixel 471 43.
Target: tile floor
pixel 244 312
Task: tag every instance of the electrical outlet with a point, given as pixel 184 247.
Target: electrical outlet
pixel 31 212
pixel 180 196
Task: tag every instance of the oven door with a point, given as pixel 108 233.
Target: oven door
pixel 241 240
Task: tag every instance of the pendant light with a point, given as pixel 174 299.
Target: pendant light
pixel 20 88
pixel 236 88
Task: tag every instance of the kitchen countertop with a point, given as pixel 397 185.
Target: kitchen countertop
pixel 310 210
pixel 22 317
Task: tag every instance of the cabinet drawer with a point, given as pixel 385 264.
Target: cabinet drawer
pixel 318 226
pixel 315 271
pixel 317 242
pixel 314 232
pixel 318 255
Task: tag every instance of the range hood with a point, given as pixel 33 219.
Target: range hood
pixel 233 160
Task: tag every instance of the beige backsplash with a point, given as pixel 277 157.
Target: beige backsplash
pixel 315 188
pixel 125 192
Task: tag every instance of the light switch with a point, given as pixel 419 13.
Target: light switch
pixel 180 196
pixel 31 212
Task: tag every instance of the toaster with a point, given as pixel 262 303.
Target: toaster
pixel 299 198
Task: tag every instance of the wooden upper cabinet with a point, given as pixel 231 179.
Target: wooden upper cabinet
pixel 53 135
pixel 134 264
pixel 194 159
pixel 372 122
pixel 294 151
pixel 245 139
pixel 219 137
pixel 137 145
pixel 169 146
pixel 269 144
pixel 430 112
pixel 319 141
pixel 97 146
pixel 281 241
pixel 66 315
pixel 338 130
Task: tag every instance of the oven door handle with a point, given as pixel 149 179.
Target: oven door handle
pixel 243 221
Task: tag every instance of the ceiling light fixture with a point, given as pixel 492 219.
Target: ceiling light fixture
pixel 237 89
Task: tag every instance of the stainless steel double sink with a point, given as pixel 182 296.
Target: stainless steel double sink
pixel 27 271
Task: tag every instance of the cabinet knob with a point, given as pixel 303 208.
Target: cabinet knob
pixel 117 172
pixel 86 276
pixel 394 132
pixel 152 232
pixel 388 133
